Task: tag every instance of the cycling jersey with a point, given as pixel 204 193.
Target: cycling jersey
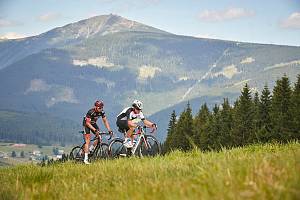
pixel 92 116
pixel 128 114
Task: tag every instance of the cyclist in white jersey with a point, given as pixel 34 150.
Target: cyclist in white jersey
pixel 128 120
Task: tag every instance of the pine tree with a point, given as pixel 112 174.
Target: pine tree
pixel 169 143
pixel 256 103
pixel 184 130
pixel 214 136
pixel 226 124
pixel 243 130
pixel 264 121
pixel 281 110
pixel 296 109
pixel 201 127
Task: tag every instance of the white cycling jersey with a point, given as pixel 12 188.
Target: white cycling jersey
pixel 128 114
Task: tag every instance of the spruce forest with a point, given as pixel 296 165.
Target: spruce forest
pixel 253 118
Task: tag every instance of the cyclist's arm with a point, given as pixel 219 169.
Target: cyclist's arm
pixel 89 125
pixel 148 123
pixel 105 122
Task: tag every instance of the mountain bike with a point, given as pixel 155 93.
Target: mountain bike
pixel 99 152
pixel 143 145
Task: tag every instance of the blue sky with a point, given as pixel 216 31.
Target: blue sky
pixel 259 21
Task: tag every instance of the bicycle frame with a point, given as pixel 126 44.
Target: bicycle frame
pixel 98 146
pixel 116 147
pixel 141 137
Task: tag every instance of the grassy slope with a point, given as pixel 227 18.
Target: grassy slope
pixel 255 172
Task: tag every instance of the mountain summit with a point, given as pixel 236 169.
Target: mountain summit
pixel 70 34
pixel 98 25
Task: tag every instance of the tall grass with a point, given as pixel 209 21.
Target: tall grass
pixel 256 172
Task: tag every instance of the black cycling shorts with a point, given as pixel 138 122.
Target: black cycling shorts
pixel 87 129
pixel 122 125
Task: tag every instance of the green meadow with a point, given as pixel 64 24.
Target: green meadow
pixel 270 171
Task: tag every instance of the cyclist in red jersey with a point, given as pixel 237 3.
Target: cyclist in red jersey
pixel 89 124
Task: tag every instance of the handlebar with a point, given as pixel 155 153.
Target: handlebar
pixel 100 133
pixel 139 128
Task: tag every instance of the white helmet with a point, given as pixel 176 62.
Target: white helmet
pixel 137 104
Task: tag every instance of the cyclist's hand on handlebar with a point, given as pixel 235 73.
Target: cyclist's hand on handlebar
pixel 111 133
pixel 154 126
pixel 97 132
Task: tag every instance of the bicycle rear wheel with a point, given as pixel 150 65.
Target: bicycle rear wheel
pixel 116 148
pixel 151 147
pixel 77 154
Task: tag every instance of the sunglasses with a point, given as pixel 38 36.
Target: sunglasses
pixel 137 108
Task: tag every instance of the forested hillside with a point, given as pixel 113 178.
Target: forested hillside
pixel 253 118
pixel 37 128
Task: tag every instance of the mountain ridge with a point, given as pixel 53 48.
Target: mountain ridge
pixel 163 70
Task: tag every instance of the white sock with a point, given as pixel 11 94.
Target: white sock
pixel 86 156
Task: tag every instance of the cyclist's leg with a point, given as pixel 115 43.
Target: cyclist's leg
pixel 122 125
pixel 131 127
pixel 87 138
pixel 97 128
pixel 124 128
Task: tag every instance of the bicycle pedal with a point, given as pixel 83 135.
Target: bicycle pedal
pixel 123 155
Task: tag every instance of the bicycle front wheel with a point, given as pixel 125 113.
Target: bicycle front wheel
pixel 77 154
pixel 116 148
pixel 151 147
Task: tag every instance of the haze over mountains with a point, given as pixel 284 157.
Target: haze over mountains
pixel 62 72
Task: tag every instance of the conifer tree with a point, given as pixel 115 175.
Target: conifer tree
pixel 169 143
pixel 296 109
pixel 201 127
pixel 214 138
pixel 184 130
pixel 264 121
pixel 226 124
pixel 243 130
pixel 281 110
pixel 256 103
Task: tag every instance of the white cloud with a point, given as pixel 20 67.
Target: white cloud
pixel 62 94
pixel 38 85
pixel 147 71
pixel 49 17
pixel 8 23
pixel 100 62
pixel 247 60
pixel 292 22
pixel 12 35
pixel 223 15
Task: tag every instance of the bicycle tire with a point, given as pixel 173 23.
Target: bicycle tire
pixel 77 154
pixel 116 148
pixel 103 152
pixel 152 149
